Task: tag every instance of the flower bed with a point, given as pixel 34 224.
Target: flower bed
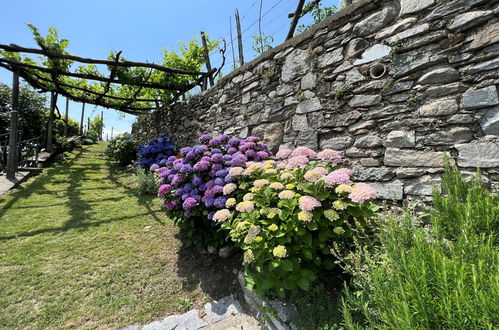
pixel 155 152
pixel 284 213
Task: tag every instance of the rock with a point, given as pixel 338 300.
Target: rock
pixel 444 90
pixel 442 107
pixel 330 58
pixel 307 139
pixel 456 58
pixel 485 37
pixel 483 155
pixel 376 21
pixel 409 172
pixel 246 98
pixel 490 121
pixel 461 118
pixel 363 124
pixel 480 98
pixel 484 66
pixel 373 85
pixel 406 63
pixel 272 134
pixel 211 249
pixel 368 142
pixel 465 21
pixel 156 326
pixel 343 119
pixel 309 81
pixel 386 111
pixel 354 76
pixel 310 105
pixel 296 64
pixel 364 100
pixel 356 46
pixel 315 119
pixel 400 139
pixel 355 152
pixel 412 32
pixel 189 320
pixel 397 27
pixel 422 186
pixel 361 173
pixel 243 134
pixel 251 86
pixel 300 123
pixel 337 143
pixel 411 6
pixel 388 191
pixel 226 251
pixel 411 158
pixel 374 53
pixel 454 135
pixel 439 76
pixel 450 7
pixel 221 309
pixel 285 310
pixel 399 87
pixel 345 65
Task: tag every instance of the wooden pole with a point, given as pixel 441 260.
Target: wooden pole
pixel 232 43
pixel 296 17
pixel 88 124
pixel 101 124
pixel 239 39
pixel 14 118
pixel 66 122
pixel 50 126
pixel 207 57
pixel 112 129
pixel 260 26
pixel 82 116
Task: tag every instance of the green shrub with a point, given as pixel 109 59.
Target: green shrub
pixel 289 213
pixel 443 276
pixel 92 135
pixel 122 149
pixel 145 181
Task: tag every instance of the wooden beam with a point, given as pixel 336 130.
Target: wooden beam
pixel 16 48
pixel 296 17
pixel 82 117
pixel 14 118
pixel 206 54
pixel 90 76
pixel 239 39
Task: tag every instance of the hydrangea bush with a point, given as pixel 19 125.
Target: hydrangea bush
pixel 197 183
pixel 155 152
pixel 287 213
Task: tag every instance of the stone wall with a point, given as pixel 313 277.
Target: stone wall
pixel 395 85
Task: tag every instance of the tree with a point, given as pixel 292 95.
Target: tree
pixel 32 111
pixel 96 124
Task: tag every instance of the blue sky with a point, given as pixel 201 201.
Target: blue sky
pixel 141 29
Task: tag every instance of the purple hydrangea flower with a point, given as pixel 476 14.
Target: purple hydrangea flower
pixel 205 138
pixel 189 203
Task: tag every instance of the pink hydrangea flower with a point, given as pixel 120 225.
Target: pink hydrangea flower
pixel 235 171
pixel 286 175
pixel 283 154
pixel 286 194
pixel 304 151
pixel 329 154
pixel 341 176
pixel 245 206
pixel 297 161
pixel 361 192
pixel 308 203
pixel 260 183
pixel 229 188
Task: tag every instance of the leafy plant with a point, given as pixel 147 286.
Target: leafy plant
pixel 122 149
pixel 145 181
pixel 319 13
pixel 443 276
pixel 262 43
pixel 287 215
pixel 92 135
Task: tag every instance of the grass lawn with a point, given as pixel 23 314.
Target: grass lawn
pixel 79 250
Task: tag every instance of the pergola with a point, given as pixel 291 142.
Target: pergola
pixel 54 76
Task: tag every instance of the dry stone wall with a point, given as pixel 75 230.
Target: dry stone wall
pixel 395 85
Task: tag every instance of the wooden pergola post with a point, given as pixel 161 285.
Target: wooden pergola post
pixel 88 124
pixel 239 39
pixel 14 118
pixel 66 121
pixel 50 126
pixel 206 54
pixel 101 124
pixel 82 118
